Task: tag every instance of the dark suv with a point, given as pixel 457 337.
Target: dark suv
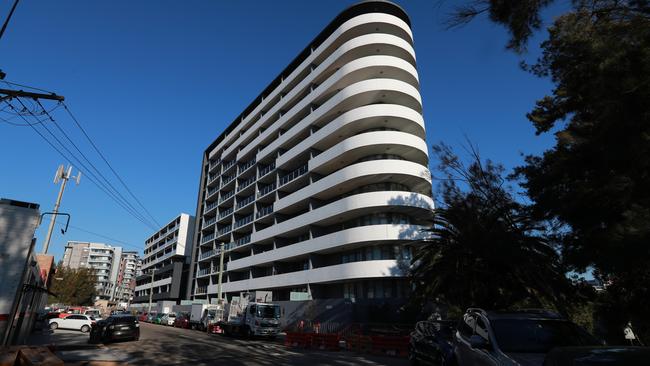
pixel 115 327
pixel 514 337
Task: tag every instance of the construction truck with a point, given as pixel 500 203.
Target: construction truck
pixel 202 315
pixel 248 315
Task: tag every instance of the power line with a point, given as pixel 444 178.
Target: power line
pixel 89 172
pixel 89 162
pixel 108 193
pixel 107 163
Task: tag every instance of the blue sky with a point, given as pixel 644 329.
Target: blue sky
pixel 154 82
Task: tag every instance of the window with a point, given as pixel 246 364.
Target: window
pixel 466 326
pixel 252 309
pixel 481 329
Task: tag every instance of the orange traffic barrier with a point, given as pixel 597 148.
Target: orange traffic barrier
pixel 359 343
pixel 325 341
pixel 293 339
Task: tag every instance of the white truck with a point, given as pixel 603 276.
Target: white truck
pixel 201 315
pixel 250 318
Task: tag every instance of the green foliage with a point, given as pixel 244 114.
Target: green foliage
pixel 73 286
pixel 485 249
pixel 593 184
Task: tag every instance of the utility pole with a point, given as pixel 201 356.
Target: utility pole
pixel 153 272
pixel 219 298
pixel 63 176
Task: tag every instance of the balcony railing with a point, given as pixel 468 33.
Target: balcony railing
pixel 214 164
pixel 207 254
pixel 229 164
pixel 267 169
pixel 245 201
pixel 224 230
pixel 209 222
pixel 249 164
pixel 225 213
pixel 212 191
pixel 246 183
pixel 293 175
pixel 244 221
pixel 210 206
pixel 266 190
pixel 201 290
pixel 203 272
pixel 227 179
pixel 264 211
pixel 207 238
pixel 227 195
pixel 241 241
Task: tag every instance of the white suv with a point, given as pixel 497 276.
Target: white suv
pixel 73 321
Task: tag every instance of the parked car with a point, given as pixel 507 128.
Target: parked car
pixel 169 319
pixel 143 317
pixel 514 337
pixel 431 342
pixel 95 313
pixel 151 317
pixel 72 321
pixel 182 321
pixel 158 318
pixel 115 327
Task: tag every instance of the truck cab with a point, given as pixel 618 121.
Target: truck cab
pixel 262 319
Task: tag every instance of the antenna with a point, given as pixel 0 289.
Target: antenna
pixel 78 177
pixel 57 175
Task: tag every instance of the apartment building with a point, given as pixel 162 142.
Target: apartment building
pixel 103 258
pixel 318 189
pixel 166 257
pixel 130 268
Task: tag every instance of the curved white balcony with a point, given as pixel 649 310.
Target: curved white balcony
pixel 357 69
pixel 349 207
pixel 359 174
pixel 344 239
pixel 340 272
pixel 350 25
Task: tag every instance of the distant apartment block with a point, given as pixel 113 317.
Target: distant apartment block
pixel 319 188
pixel 166 256
pixel 130 268
pixel 104 259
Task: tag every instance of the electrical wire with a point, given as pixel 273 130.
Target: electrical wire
pixel 90 163
pixel 65 106
pixel 89 176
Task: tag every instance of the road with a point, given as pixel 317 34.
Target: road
pixel 162 345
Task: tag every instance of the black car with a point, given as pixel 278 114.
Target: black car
pixel 115 327
pixel 431 342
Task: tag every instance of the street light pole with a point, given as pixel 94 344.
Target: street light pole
pixel 153 272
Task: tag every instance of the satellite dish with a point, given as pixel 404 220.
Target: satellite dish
pixel 57 175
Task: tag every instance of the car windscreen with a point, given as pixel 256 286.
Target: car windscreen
pixel 538 335
pixel 124 320
pixel 268 311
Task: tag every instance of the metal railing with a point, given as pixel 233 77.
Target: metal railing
pixel 201 290
pixel 226 213
pixel 213 164
pixel 207 254
pixel 207 238
pixel 241 241
pixel 247 165
pixel 244 221
pixel 293 175
pixel 266 190
pixel 267 169
pixel 245 201
pixel 226 196
pixel 225 230
pixel 203 272
pixel 246 183
pixel 227 179
pixel 211 191
pixel 210 206
pixel 209 222
pixel 264 211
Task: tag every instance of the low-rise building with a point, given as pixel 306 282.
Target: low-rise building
pixel 166 262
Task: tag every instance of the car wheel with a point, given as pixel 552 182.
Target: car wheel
pixel 85 329
pixel 54 325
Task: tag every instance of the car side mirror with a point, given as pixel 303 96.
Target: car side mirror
pixel 478 342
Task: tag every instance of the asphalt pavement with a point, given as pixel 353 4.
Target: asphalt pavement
pixel 163 345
